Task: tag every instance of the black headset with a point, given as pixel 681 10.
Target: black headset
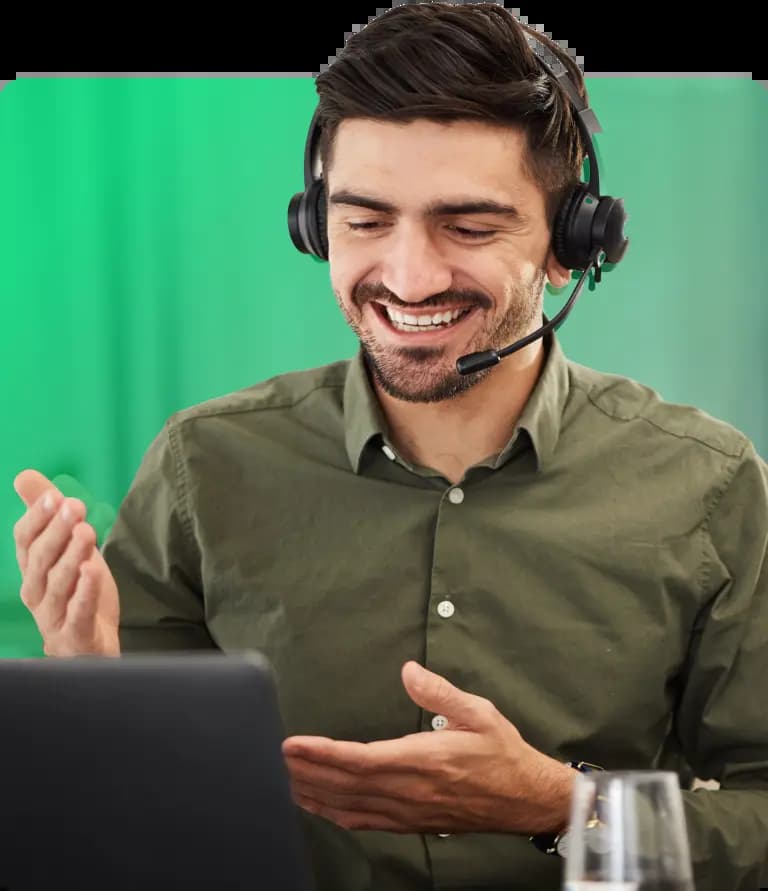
pixel 588 229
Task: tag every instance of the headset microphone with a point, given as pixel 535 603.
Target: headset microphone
pixel 487 358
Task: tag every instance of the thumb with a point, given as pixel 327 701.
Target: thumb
pixel 30 485
pixel 436 694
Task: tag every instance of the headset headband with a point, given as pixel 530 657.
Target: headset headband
pixel 588 228
pixel 586 119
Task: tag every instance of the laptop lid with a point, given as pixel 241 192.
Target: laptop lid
pixel 151 771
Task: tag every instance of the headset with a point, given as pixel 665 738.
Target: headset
pixel 588 229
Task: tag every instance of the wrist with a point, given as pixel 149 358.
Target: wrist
pixel 559 785
pixel 548 840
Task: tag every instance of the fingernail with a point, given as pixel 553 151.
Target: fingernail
pixel 47 502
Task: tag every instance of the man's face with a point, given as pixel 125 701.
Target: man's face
pixel 405 246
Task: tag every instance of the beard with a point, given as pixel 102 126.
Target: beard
pixel 428 374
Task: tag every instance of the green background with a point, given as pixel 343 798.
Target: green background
pixel 145 264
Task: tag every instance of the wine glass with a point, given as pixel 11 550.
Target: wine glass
pixel 627 832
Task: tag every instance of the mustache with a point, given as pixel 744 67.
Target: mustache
pixel 367 292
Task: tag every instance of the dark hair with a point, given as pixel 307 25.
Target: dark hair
pixel 443 62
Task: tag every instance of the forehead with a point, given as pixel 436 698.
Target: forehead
pixel 416 162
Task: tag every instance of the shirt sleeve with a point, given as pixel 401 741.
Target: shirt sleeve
pixel 152 553
pixel 723 710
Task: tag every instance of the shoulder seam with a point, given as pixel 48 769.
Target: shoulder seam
pixel 740 437
pixel 181 483
pixel 717 497
pixel 196 413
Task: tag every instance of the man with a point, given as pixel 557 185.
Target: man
pixel 580 567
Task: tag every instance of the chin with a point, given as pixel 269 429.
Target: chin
pixel 399 375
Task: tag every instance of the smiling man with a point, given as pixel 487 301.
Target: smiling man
pixel 468 585
pixel 434 256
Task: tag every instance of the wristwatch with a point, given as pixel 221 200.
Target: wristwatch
pixel 556 843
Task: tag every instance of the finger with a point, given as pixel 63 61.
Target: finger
pixel 394 784
pixel 65 574
pixel 32 523
pixel 352 819
pixel 437 694
pixel 322 775
pixel 31 484
pixel 406 754
pixel 47 548
pixel 83 605
pixel 394 808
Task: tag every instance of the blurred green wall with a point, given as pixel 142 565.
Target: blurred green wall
pixel 145 263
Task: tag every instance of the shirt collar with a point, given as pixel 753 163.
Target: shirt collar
pixel 541 418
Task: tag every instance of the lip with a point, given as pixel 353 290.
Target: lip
pixel 422 337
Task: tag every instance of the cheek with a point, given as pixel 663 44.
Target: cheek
pixel 342 289
pixel 528 273
pixel 346 274
pixel 342 281
pixel 347 268
pixel 517 271
pixel 346 304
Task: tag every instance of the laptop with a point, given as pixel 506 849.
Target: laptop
pixel 156 771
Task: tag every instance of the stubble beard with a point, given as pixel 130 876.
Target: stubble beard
pixel 428 374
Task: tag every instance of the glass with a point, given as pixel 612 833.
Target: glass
pixel 627 832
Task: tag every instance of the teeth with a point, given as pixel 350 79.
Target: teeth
pixel 408 322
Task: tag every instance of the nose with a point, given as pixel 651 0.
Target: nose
pixel 413 267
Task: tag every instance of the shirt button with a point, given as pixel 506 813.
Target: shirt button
pixel 439 721
pixel 445 608
pixel 388 452
pixel 456 495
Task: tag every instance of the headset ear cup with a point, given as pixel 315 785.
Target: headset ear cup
pixel 585 223
pixel 558 233
pixel 608 228
pixel 322 222
pixel 296 227
pixel 315 219
pixel 567 241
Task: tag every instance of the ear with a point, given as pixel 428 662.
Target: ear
pixel 557 275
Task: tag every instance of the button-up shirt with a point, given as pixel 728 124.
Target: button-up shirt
pixel 603 580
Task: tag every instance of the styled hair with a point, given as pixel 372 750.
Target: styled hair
pixel 445 62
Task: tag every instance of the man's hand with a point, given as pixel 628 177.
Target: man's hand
pixel 66 584
pixel 477 774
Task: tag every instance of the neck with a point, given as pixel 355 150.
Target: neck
pixel 453 435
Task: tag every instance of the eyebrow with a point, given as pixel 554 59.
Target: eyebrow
pixel 437 208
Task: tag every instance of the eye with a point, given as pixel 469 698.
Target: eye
pixel 368 225
pixel 463 232
pixel 473 233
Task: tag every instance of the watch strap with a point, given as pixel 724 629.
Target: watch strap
pixel 548 842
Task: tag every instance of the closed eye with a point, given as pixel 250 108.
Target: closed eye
pixel 463 232
pixel 473 233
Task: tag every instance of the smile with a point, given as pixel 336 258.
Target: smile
pixel 422 325
pixel 407 322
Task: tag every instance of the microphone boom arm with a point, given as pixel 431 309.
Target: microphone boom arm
pixel 486 358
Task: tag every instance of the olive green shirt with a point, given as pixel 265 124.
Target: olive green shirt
pixel 603 580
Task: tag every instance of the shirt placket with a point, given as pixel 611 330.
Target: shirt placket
pixel 446 635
